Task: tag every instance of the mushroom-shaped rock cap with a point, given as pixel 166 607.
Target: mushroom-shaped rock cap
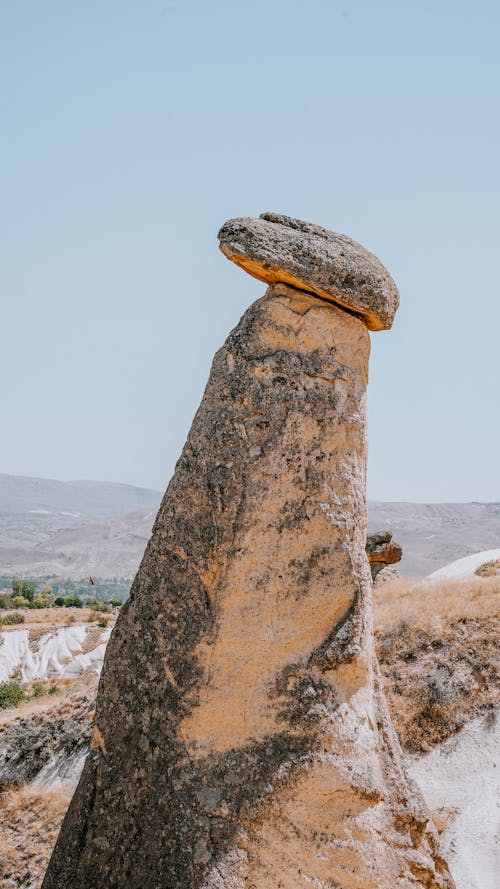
pixel 276 248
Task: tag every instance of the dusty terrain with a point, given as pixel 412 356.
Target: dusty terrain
pixel 30 821
pixel 48 618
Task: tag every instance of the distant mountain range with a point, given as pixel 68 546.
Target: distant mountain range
pixel 73 529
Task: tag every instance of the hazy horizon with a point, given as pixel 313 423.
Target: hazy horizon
pixel 132 131
pixel 160 491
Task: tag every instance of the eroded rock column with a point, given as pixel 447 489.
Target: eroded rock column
pixel 241 738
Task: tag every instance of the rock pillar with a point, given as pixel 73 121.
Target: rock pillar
pixel 241 737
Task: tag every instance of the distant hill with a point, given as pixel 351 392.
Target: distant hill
pixel 88 499
pixel 73 529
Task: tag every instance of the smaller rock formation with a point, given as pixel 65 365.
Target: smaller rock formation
pixel 383 551
pixel 389 573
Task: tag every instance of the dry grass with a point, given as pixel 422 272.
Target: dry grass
pixel 60 704
pixel 429 604
pixel 36 705
pixel 30 819
pixel 55 617
pixel 29 824
pixel 489 569
pixel 437 646
pixel 60 617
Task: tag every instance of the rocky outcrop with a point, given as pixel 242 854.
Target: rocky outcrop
pixel 50 742
pixel 382 551
pixel 386 575
pixel 241 738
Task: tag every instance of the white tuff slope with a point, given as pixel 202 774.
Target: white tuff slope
pixel 59 653
pixel 464 569
pixel 462 774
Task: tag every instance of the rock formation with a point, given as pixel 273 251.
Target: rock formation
pixel 241 737
pixel 382 551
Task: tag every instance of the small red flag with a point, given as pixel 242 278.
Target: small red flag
pixel 92 580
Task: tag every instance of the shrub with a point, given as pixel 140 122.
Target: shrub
pixel 12 618
pixel 40 602
pixel 37 689
pixel 103 621
pixel 438 686
pixel 6 601
pixel 53 690
pixel 68 602
pixel 115 603
pixel 11 694
pixel 97 605
pixel 20 602
pixel 73 602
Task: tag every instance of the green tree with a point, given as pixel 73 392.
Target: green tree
pixel 28 591
pixel 24 588
pixel 73 602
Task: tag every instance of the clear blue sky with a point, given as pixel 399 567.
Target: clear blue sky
pixel 132 129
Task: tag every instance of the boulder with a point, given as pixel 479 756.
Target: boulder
pixel 241 736
pixel 276 248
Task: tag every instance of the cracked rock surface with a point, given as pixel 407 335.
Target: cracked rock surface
pixel 241 737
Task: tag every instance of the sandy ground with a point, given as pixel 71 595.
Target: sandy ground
pixel 56 617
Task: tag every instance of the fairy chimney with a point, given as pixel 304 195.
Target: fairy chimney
pixel 241 736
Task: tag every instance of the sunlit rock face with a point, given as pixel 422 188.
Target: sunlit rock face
pixel 241 738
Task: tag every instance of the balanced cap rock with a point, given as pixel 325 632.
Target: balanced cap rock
pixel 276 248
pixel 241 736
